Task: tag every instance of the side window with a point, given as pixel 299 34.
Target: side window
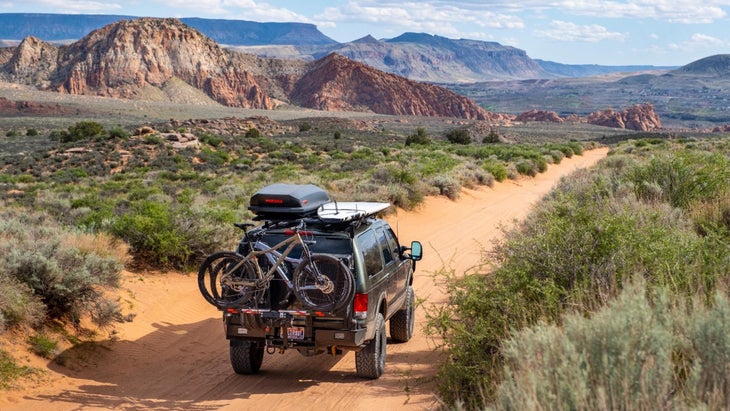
pixel 392 242
pixel 370 252
pixel 383 241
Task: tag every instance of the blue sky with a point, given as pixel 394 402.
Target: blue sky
pixel 606 32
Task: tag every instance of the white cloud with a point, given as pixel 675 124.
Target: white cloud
pixel 78 7
pixel 698 41
pixel 566 31
pixel 441 17
pixel 674 11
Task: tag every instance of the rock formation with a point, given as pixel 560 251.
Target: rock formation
pixel 121 59
pixel 136 58
pixel 337 83
pixel 540 115
pixel 639 117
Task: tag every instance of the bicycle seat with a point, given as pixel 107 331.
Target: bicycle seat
pixel 244 226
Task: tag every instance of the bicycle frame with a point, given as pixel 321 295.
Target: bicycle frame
pixel 276 259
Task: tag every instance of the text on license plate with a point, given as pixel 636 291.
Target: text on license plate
pixel 295 333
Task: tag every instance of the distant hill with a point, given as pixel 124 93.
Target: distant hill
pixel 426 57
pixel 60 27
pixel 695 95
pixel 717 65
pixel 587 70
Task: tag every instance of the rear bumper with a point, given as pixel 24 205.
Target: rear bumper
pixel 318 332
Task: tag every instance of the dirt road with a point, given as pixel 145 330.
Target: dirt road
pixel 173 356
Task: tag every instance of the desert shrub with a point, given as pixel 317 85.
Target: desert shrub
pixel 684 177
pixel 118 132
pixel 678 355
pixel 338 135
pixel 213 140
pixel 253 132
pixel 18 304
pixel 163 234
pixel 67 280
pixel 12 133
pixel 420 137
pixel 31 132
pixel 43 345
pixel 526 167
pixel 83 130
pixel 305 126
pixel 153 139
pixel 458 136
pixel 447 186
pixel 496 169
pixel 491 138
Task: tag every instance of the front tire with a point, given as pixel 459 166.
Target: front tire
pixel 246 356
pixel 403 321
pixel 370 361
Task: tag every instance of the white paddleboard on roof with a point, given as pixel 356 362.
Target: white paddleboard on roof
pixel 343 211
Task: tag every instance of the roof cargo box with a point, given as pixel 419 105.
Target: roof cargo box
pixel 288 201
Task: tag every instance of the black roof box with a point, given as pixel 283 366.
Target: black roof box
pixel 283 201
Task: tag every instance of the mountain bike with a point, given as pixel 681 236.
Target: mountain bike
pixel 320 282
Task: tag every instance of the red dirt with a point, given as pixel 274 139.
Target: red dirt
pixel 174 356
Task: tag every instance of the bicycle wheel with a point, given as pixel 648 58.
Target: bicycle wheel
pixel 323 283
pixel 224 281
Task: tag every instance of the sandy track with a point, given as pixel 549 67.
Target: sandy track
pixel 174 356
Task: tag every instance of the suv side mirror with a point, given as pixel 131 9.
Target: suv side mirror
pixel 416 251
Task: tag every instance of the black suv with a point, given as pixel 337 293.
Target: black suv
pixel 383 277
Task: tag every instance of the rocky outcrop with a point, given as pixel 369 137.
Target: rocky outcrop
pixel 337 83
pixel 639 117
pixel 121 59
pixel 540 115
pixel 33 59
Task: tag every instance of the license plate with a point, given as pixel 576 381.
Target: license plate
pixel 295 333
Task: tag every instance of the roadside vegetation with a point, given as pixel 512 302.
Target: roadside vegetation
pixel 79 204
pixel 612 294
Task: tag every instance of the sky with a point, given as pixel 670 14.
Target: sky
pixel 605 32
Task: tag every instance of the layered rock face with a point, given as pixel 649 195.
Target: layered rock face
pixel 119 60
pixel 639 117
pixel 32 60
pixel 337 83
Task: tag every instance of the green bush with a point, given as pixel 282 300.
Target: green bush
pixel 118 132
pixel 83 130
pixel 459 136
pixel 305 126
pixel 420 137
pixel 496 169
pixel 253 132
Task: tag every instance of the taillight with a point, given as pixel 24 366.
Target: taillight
pixel 361 304
pixel 289 231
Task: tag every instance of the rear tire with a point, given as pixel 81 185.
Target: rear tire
pixel 212 276
pixel 370 361
pixel 246 356
pixel 312 294
pixel 403 321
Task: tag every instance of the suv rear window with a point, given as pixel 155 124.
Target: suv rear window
pixel 317 245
